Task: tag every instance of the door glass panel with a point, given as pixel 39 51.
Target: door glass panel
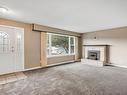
pixel 4 42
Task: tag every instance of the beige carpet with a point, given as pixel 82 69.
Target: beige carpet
pixel 70 79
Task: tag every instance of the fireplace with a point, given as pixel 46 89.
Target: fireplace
pixel 93 54
pixel 96 55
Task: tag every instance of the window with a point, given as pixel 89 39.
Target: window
pixel 60 44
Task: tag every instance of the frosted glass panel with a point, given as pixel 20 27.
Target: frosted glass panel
pixel 4 42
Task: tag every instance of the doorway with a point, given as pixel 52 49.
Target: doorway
pixel 11 49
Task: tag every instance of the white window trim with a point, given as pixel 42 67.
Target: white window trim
pixel 69 46
pixel 50 45
pixel 74 45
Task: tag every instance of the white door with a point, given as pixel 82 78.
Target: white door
pixel 11 49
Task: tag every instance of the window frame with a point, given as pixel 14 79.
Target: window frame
pixel 50 45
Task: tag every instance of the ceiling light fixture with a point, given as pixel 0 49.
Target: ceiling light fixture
pixel 3 9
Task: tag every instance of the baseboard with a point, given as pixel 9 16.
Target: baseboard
pixel 60 63
pixel 118 65
pixel 49 65
pixel 32 68
pixel 39 67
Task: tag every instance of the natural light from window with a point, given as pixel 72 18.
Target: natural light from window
pixel 58 44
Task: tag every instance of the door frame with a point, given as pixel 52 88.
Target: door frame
pixel 16 62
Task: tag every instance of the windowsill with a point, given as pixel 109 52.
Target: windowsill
pixel 60 55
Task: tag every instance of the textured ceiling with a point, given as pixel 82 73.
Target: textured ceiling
pixel 74 15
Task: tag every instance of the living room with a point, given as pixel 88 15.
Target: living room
pixel 63 47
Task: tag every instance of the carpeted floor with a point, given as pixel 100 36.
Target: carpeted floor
pixel 70 79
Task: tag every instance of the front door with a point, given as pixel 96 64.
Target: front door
pixel 11 49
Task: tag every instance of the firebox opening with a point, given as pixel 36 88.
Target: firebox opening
pixel 94 55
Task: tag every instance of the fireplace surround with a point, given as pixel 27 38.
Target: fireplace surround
pixel 96 55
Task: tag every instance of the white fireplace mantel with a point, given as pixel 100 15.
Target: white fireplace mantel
pixel 103 55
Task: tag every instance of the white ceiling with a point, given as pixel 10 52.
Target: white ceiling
pixel 74 15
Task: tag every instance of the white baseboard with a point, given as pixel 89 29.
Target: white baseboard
pixel 118 65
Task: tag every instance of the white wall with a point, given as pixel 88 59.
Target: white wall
pixel 117 38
